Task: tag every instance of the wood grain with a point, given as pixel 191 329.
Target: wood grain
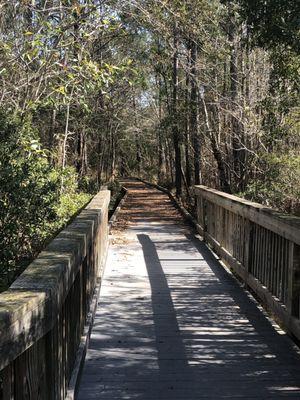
pixel 260 245
pixel 43 314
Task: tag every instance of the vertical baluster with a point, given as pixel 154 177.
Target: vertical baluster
pixel 224 227
pixel 278 265
pixel 258 259
pixel 213 219
pixel 294 279
pixel 199 201
pixel 235 232
pixel 275 258
pixel 281 272
pixel 259 254
pixel 268 256
pixel 217 223
pixel 220 226
pixel 7 376
pixel 53 362
pixel 274 265
pixel 264 254
pixel 248 248
pixel 241 240
pixel 232 234
pixel 253 265
pixel 285 273
pixel 269 265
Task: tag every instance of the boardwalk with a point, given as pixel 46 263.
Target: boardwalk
pixel 172 324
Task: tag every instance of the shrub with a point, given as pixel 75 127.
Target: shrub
pixel 71 200
pixel 35 199
pixel 29 193
pixel 279 184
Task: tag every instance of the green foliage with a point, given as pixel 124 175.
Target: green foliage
pixel 278 186
pixel 71 200
pixel 274 21
pixel 88 184
pixel 28 192
pixel 274 25
pixel 32 205
pixel 114 186
pixel 93 83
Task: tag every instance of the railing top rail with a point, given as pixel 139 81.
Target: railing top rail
pixel 28 309
pixel 287 226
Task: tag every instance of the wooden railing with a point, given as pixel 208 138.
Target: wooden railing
pixel 261 245
pixel 43 314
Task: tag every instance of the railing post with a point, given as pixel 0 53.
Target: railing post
pixel 204 216
pixel 248 245
pixel 198 208
pixel 44 312
pixel 248 238
pixel 294 280
pixel 201 213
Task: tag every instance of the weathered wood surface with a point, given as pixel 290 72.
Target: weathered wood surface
pixel 43 314
pixel 285 225
pixel 261 245
pixel 173 324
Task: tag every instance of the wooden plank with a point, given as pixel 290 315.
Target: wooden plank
pixel 40 315
pixel 294 280
pixel 267 299
pixel 248 245
pixel 7 376
pixel 171 322
pixel 284 225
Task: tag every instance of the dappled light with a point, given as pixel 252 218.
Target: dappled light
pixel 159 139
pixel 172 323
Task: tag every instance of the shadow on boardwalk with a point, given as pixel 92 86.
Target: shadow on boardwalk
pixel 231 380
pixel 173 324
pixel 161 292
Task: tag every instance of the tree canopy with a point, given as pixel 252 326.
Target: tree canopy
pixel 178 92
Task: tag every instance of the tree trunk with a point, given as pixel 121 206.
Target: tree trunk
pixel 188 167
pixel 224 183
pixel 79 152
pixel 51 136
pixel 195 115
pixel 175 129
pixel 137 139
pixel 236 128
pixel 100 160
pixel 161 155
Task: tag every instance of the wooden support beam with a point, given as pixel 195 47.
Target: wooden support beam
pixel 262 247
pixel 43 314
